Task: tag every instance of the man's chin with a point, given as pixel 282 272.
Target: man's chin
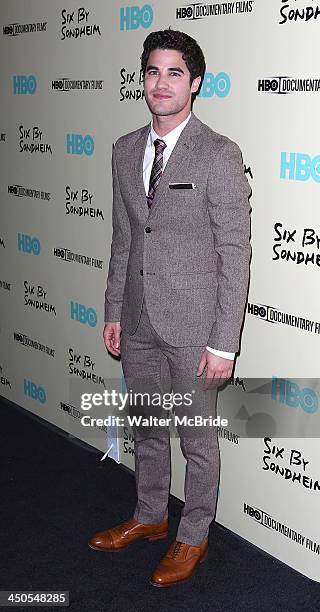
pixel 157 109
pixel 163 113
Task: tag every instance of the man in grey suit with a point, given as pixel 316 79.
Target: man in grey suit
pixel 176 290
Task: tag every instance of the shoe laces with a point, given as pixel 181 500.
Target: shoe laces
pixel 176 550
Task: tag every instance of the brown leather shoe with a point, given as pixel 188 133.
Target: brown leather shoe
pixel 179 563
pixel 119 537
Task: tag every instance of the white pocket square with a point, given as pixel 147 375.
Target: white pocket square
pixel 182 185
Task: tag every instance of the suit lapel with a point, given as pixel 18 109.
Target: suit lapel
pixel 138 156
pixel 178 159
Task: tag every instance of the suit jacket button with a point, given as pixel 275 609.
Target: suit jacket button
pixel 141 272
pixel 148 230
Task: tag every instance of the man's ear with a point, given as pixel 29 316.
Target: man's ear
pixel 195 84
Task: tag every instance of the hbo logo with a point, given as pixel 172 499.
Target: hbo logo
pixel 13 189
pixel 268 85
pixel 77 144
pixel 32 390
pixel 257 311
pixel 8 30
pixel 218 85
pixel 299 167
pixel 132 17
pixel 253 512
pixel 82 314
pixel 291 394
pixel 59 253
pixel 58 84
pixel 184 12
pixel 24 84
pixel 27 244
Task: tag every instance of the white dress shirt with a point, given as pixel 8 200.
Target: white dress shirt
pixel 170 139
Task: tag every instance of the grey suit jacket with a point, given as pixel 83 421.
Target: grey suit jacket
pixel 189 254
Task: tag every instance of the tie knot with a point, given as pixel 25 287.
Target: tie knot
pixel 159 144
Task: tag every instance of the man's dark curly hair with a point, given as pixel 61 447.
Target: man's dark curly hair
pixel 178 41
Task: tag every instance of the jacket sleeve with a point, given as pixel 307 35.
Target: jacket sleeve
pixel 229 211
pixel 120 247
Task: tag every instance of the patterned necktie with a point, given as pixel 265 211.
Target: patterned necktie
pixel 156 171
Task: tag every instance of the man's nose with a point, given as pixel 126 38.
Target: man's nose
pixel 162 81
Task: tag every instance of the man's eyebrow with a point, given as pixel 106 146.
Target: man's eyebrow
pixel 177 69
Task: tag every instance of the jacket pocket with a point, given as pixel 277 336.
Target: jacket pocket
pixel 194 280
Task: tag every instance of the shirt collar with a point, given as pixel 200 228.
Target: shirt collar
pixel 171 138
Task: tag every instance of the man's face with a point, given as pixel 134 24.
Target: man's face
pixel 167 86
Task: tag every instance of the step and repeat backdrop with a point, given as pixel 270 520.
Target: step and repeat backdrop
pixel 71 85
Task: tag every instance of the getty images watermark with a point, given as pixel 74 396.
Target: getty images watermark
pixel 166 401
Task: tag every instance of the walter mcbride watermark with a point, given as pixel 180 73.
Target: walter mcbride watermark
pixel 164 401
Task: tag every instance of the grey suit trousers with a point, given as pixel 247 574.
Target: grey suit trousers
pixel 151 364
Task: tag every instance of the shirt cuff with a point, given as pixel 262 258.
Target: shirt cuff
pixel 223 354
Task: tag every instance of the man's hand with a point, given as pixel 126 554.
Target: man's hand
pixel 111 336
pixel 218 370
